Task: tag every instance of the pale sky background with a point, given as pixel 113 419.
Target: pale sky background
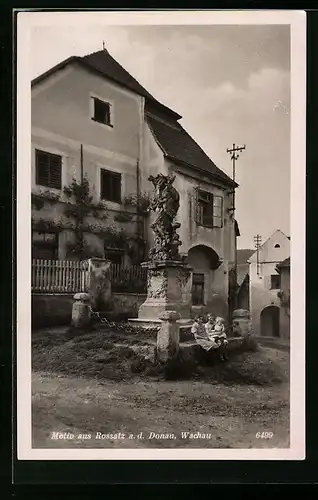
pixel 229 83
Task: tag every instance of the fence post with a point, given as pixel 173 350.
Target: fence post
pixel 99 283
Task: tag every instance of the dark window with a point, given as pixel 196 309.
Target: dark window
pixel 45 245
pixel 198 289
pixel 102 112
pixel 115 255
pixel 275 281
pixel 209 209
pixel 48 168
pixel 110 186
pixel 277 245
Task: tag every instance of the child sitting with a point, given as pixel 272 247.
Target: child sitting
pixel 220 336
pixel 209 326
pixel 201 336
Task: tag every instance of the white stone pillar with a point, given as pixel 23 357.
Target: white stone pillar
pixel 81 310
pixel 168 336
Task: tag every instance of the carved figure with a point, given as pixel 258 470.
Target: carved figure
pixel 166 202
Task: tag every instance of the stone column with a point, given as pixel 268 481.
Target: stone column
pixel 168 336
pixel 99 287
pixel 81 310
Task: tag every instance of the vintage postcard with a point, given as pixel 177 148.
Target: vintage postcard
pixel 161 235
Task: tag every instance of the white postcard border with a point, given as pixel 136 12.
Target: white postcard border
pixel 297 21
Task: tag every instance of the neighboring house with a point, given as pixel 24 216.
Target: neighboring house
pixel 92 120
pixel 265 284
pixel 284 296
pixel 243 280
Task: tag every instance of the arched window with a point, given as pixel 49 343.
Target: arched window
pixel 277 245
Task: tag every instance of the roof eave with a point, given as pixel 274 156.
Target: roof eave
pixel 221 179
pixel 52 70
pixel 151 102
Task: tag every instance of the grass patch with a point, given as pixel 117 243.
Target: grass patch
pixel 114 354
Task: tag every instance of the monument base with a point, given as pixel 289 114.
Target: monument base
pixel 152 324
pixel 168 289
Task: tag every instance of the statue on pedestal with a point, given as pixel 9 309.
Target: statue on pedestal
pixel 166 202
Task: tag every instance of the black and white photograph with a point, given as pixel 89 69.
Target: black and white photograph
pixel 161 208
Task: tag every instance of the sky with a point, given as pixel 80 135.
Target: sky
pixel 230 84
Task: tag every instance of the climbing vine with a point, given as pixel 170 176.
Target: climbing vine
pixel 78 209
pixel 143 201
pixel 38 199
pixel 82 207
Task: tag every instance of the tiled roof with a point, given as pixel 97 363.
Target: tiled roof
pixel 178 145
pixel 175 142
pixel 285 263
pixel 243 254
pixel 241 273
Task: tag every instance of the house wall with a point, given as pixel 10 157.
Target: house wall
pixel 221 240
pixel 261 294
pixel 61 122
pixel 56 309
pixel 51 309
pixel 284 319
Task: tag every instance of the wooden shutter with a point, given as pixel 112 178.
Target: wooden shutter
pixel 42 168
pixel 55 171
pixel 217 211
pixel 116 187
pixel 197 214
pixel 48 169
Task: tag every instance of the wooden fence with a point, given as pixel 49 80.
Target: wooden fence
pixel 128 279
pixel 58 276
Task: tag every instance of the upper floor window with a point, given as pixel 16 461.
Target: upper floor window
pixel 209 210
pixel 48 168
pixel 275 281
pixel 102 112
pixel 110 186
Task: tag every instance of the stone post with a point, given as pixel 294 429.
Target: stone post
pixel 99 283
pixel 241 323
pixel 81 310
pixel 168 336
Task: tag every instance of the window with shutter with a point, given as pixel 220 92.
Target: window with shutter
pixel 110 184
pixel 48 169
pixel 209 209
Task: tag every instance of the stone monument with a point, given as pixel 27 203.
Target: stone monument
pixel 169 276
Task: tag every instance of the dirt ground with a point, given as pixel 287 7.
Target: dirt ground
pixel 74 408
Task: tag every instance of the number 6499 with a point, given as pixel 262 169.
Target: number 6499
pixel 264 435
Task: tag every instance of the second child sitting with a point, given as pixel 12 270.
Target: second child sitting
pixel 216 332
pixel 220 336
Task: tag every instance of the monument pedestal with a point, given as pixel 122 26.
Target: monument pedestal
pixel 168 289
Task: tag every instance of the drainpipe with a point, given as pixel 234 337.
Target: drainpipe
pixel 140 225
